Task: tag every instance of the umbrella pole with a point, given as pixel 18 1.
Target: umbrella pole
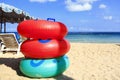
pixel 1 22
pixel 1 27
pixel 4 27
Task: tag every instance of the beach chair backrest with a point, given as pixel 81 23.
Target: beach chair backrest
pixel 9 40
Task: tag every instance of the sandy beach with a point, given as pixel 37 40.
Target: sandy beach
pixel 88 61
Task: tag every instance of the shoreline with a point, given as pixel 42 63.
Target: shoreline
pixel 88 61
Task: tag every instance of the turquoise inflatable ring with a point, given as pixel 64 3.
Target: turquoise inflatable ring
pixel 41 68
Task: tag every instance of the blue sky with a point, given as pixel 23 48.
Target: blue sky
pixel 77 15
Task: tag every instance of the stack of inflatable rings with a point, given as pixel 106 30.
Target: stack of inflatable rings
pixel 45 48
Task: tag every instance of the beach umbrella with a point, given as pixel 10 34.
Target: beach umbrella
pixel 11 14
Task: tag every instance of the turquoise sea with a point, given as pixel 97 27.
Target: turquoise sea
pixel 91 37
pixel 94 37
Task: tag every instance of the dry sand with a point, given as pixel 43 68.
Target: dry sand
pixel 88 61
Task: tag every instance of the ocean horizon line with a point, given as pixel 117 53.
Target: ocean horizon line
pixel 94 32
pixel 78 32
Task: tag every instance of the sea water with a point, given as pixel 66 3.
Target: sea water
pixel 94 37
pixel 90 37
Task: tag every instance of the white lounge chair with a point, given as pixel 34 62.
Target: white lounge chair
pixel 9 42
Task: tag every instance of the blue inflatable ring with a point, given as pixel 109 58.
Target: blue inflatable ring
pixel 41 68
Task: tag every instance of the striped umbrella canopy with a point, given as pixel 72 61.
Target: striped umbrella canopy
pixel 11 14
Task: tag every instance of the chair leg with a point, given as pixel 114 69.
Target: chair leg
pixel 3 47
pixel 18 51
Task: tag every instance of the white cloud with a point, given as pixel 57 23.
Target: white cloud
pixel 102 6
pixel 108 17
pixel 79 5
pixel 42 1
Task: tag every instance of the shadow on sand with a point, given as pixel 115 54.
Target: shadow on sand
pixel 63 77
pixel 14 64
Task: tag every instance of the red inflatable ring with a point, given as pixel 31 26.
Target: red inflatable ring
pixel 45 48
pixel 42 29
